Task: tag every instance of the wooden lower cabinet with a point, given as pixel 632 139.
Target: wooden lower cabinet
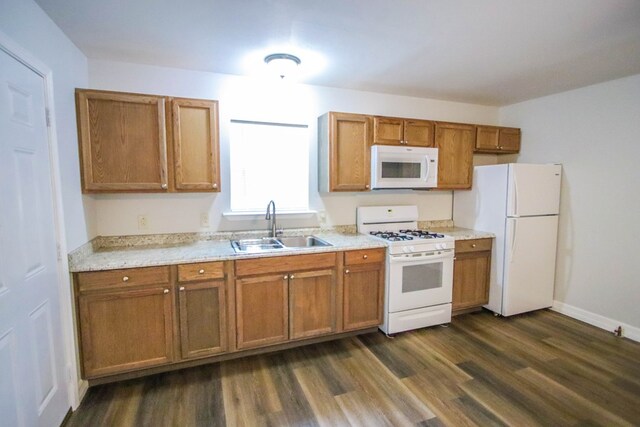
pixel 125 330
pixel 312 303
pixel 471 271
pixel 143 318
pixel 262 312
pixel 363 289
pixel 203 318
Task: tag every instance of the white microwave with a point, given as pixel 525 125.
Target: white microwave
pixel 403 167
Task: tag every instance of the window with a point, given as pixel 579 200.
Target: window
pixel 269 161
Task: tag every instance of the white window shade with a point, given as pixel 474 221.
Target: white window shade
pixel 269 161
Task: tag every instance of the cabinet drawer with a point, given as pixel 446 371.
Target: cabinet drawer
pixel 125 277
pixel 475 245
pixel 284 264
pixel 200 271
pixel 364 256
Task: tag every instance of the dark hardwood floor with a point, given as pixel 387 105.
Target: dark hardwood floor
pixel 540 368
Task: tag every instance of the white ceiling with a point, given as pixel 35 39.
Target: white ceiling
pixel 493 52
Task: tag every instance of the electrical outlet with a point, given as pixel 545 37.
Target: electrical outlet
pixel 143 222
pixel 204 220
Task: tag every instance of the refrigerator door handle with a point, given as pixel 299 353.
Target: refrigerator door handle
pixel 515 194
pixel 513 240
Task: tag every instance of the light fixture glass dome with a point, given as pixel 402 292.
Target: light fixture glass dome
pixel 282 64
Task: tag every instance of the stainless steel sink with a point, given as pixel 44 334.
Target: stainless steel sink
pixel 256 245
pixel 270 244
pixel 303 242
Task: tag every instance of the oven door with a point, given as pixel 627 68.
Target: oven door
pixel 420 280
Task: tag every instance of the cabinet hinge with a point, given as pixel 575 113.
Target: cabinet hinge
pixel 59 251
pixel 47 115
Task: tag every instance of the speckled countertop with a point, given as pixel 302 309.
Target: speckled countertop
pixel 459 233
pixel 190 250
pixel 110 253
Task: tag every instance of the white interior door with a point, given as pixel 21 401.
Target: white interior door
pixel 530 264
pixel 32 386
pixel 533 190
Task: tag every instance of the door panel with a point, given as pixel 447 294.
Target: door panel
pixel 32 390
pixel 529 275
pixel 533 190
pixel 312 303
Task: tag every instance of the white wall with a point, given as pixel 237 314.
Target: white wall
pixel 260 100
pixel 28 26
pixel 595 133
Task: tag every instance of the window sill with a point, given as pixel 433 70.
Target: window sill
pixel 251 216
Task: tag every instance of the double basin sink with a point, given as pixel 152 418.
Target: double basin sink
pixel 277 243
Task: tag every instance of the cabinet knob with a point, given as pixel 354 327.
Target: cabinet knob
pixel 164 186
pixel 214 185
pixel 366 186
pixel 292 277
pixel 473 245
pixel 365 256
pixel 125 279
pixel 500 147
pixel 181 288
pixel 285 277
pixel 201 271
pixel 166 291
pixel 346 272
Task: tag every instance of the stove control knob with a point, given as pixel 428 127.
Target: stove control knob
pixel 405 249
pixel 439 246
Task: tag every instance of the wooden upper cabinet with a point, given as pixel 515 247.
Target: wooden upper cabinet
pixel 195 144
pixel 497 140
pixel 455 143
pixel 344 142
pixel 146 143
pixel 123 143
pixel 395 131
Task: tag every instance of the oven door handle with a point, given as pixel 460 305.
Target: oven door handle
pixel 406 260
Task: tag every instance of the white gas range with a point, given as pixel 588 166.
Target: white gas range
pixel 419 268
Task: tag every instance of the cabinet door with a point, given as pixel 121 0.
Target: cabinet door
pixel 195 144
pixel 487 138
pixel 122 141
pixel 363 296
pixel 509 140
pixel 312 303
pixel 202 319
pixel 418 133
pixel 471 279
pixel 125 330
pixel 455 155
pixel 262 311
pixel 388 131
pixel 350 141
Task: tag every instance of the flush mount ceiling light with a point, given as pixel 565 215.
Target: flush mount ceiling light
pixel 283 64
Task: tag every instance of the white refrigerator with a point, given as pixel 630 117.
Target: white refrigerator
pixel 519 203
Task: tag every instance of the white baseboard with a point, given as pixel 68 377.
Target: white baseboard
pixel 83 386
pixel 628 331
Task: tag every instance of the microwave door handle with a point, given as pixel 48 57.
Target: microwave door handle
pixel 426 171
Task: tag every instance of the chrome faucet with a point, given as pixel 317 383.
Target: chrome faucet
pixel 271 215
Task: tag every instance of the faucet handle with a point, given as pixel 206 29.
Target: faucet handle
pixel 279 232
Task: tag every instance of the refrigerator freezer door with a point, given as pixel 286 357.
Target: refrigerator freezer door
pixel 529 265
pixel 533 190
